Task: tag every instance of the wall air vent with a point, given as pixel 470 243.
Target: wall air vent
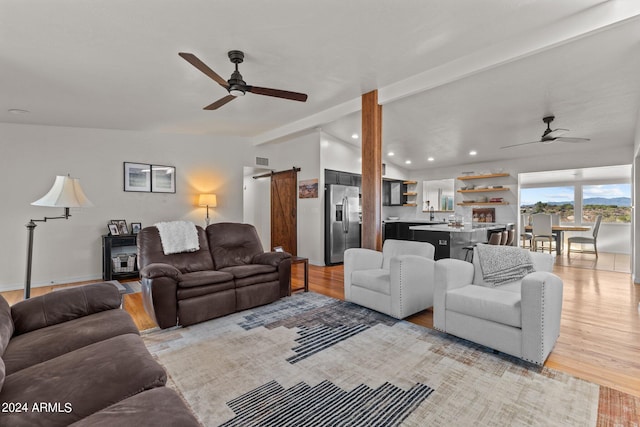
pixel 262 161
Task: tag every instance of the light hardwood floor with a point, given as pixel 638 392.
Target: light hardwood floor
pixel 600 329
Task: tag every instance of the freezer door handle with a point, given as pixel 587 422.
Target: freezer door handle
pixel 345 215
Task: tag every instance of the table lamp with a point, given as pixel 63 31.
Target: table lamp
pixel 208 200
pixel 66 193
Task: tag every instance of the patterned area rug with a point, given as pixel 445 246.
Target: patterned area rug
pixel 310 360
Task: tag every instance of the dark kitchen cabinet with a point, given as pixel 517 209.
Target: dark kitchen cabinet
pixel 342 178
pixel 391 192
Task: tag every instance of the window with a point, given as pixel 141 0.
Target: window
pixel 612 201
pixel 551 200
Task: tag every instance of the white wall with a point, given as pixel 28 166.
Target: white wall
pixel 302 151
pixel 257 195
pixel 313 153
pixel 70 250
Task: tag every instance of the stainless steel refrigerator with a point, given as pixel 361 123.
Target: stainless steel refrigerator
pixel 342 221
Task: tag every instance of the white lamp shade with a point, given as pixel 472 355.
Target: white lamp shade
pixel 65 193
pixel 208 200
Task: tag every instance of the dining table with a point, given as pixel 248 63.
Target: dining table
pixel 559 230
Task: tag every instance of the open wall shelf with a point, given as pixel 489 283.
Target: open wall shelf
pixel 492 175
pixel 483 190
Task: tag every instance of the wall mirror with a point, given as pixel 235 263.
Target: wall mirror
pixel 438 194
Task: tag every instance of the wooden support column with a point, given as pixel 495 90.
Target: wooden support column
pixel 371 172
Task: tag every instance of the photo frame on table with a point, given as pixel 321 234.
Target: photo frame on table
pixel 122 225
pixel 137 177
pixel 163 179
pixel 136 227
pixel 113 229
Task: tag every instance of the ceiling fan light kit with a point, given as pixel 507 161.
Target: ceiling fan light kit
pixel 550 136
pixel 236 86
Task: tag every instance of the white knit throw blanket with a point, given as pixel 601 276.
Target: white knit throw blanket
pixel 503 264
pixel 178 236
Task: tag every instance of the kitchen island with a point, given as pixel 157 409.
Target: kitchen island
pixel 450 241
pixel 399 228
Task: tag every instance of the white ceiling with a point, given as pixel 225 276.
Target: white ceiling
pixel 452 76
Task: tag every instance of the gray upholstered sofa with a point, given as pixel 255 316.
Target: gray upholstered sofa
pixel 521 318
pixel 73 357
pixel 229 272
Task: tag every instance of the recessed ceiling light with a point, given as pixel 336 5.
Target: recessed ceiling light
pixel 473 152
pixel 408 162
pixel 18 111
pixel 354 136
pixel 391 154
pixel 431 159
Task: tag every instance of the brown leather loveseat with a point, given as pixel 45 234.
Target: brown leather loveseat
pixel 230 272
pixel 73 357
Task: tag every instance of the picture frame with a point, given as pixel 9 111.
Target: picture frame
pixel 137 177
pixel 136 227
pixel 163 179
pixel 113 229
pixel 122 225
pixel 308 189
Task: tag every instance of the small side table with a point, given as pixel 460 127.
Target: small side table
pixel 305 261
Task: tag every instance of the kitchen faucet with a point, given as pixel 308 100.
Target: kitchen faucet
pixel 432 215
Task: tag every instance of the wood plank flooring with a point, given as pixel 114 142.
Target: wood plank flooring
pixel 600 329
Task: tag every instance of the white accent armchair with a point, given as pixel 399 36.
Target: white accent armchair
pixel 520 318
pixel 397 281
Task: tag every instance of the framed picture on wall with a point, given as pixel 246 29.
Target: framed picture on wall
pixel 163 179
pixel 137 177
pixel 308 189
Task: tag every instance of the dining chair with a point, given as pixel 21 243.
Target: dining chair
pixel 542 230
pixel 495 238
pixel 588 240
pixel 524 235
pixel 511 235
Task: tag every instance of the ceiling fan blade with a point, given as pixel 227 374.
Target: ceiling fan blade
pixel 523 143
pixel 295 96
pixel 220 102
pixel 570 139
pixel 555 133
pixel 193 60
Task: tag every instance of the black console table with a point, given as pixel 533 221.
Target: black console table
pixel 118 246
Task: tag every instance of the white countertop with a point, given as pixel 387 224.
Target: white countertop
pixel 416 220
pixel 466 228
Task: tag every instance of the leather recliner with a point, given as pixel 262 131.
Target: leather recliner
pixel 230 272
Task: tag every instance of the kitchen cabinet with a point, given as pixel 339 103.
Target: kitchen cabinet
pixel 392 192
pixel 342 178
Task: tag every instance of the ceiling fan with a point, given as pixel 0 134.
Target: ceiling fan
pixel 549 136
pixel 236 86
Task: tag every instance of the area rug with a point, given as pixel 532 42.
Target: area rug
pixel 310 360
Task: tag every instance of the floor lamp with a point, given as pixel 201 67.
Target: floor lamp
pixel 66 193
pixel 210 201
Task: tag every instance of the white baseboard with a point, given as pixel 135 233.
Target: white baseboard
pixel 20 286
